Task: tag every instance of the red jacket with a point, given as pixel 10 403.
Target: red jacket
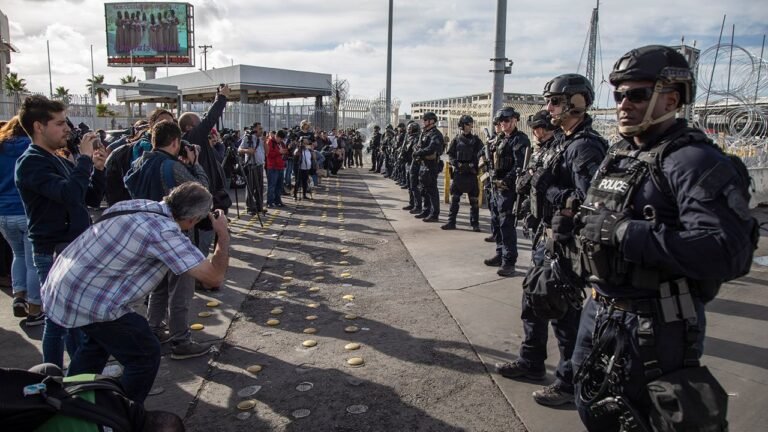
pixel 274 157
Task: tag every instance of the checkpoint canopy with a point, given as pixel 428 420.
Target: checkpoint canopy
pixel 253 84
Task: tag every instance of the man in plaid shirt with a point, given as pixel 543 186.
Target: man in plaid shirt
pixel 118 261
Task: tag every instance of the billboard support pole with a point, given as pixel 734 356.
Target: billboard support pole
pixel 93 96
pixel 131 62
pixel 50 78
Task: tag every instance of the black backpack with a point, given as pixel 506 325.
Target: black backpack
pixel 20 412
pixel 117 165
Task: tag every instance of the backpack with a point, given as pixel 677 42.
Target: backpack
pixel 117 165
pixel 23 406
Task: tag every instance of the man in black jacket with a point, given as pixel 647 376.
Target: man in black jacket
pixel 195 130
pixel 55 195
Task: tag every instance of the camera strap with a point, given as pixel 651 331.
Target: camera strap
pixel 126 212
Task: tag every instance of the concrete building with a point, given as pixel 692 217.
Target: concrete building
pixel 449 110
pixel 6 48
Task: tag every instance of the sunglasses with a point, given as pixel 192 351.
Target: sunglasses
pixel 636 95
pixel 555 100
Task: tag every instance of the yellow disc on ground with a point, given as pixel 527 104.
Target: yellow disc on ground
pixel 313 305
pixel 350 316
pixel 212 303
pixel 310 330
pixel 287 278
pixel 352 346
pixel 351 329
pixel 271 255
pixel 281 292
pixel 197 326
pixel 348 297
pixel 204 314
pixel 343 262
pixel 318 263
pixel 356 361
pixel 276 311
pixel 309 343
pixel 319 278
pixel 246 405
pixel 254 369
pixel 273 322
pixel 288 272
pixel 346 275
pixel 311 317
pixel 344 251
pixel 314 289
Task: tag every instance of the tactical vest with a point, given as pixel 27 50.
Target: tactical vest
pixel 614 186
pixel 504 157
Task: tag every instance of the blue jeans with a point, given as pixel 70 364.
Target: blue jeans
pixel 274 186
pixel 288 178
pixel 55 337
pixel 23 272
pixel 130 341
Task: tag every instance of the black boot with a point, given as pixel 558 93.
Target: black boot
pixel 476 228
pixel 408 207
pixel 506 270
pixel 493 262
pixel 422 215
pixel 451 225
pixel 415 211
pixel 490 239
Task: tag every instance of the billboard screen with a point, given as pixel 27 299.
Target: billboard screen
pixel 150 34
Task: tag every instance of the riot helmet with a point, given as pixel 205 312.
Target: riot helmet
pixel 414 128
pixel 542 119
pixel 389 127
pixel 465 120
pixel 506 112
pixel 401 125
pixel 429 116
pixel 572 90
pixel 661 65
pixel 376 128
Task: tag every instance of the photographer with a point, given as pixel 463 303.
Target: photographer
pixel 55 196
pixel 252 146
pixel 171 162
pixel 143 240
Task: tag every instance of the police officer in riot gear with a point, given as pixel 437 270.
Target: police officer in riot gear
pixel 546 134
pixel 375 147
pixel 664 224
pixel 463 154
pixel 509 158
pixel 430 149
pixel 487 167
pixel 412 168
pixel 561 183
pixel 387 144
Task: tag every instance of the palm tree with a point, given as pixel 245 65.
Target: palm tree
pixel 15 86
pixel 125 80
pixel 98 91
pixel 62 94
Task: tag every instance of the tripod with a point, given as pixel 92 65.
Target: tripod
pixel 248 187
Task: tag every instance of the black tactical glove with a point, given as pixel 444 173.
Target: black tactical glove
pixel 523 183
pixel 562 227
pixel 602 227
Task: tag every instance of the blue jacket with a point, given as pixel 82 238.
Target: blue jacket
pixel 10 200
pixel 55 194
pixel 156 172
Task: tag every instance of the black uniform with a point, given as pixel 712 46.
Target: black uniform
pixel 414 188
pixel 464 157
pixel 688 229
pixel 509 157
pixel 375 150
pixel 430 149
pixel 566 176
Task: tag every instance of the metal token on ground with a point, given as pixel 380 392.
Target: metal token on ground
pixel 352 346
pixel 204 314
pixel 156 391
pixel 310 330
pixel 248 391
pixel 196 326
pixel 343 262
pixel 301 413
pixel 313 305
pixel 351 329
pixel 311 317
pixel 213 303
pixel 254 369
pixel 246 405
pixel 346 275
pixel 319 278
pixel 309 343
pixel 356 362
pixel 357 409
pixel 348 297
pixel 273 322
pixel 350 316
pixel 281 292
pixel 314 289
pixel 305 386
pixel 276 311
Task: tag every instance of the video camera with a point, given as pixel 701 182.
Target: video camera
pixel 185 148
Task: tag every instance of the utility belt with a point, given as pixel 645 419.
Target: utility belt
pixel 674 302
pixel 466 168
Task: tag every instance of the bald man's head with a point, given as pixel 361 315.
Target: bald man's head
pixel 188 120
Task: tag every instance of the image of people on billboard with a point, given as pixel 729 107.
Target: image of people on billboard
pixel 146 29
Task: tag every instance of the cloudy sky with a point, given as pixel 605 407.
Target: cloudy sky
pixel 441 47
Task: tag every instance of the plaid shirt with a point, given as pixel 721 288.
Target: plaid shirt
pixel 115 263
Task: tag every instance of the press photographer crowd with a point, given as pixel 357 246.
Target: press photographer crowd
pixel 618 233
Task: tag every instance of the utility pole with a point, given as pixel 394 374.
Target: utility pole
pixel 205 55
pixel 389 67
pixel 592 51
pixel 500 67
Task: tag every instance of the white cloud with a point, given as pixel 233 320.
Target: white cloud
pixel 441 47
